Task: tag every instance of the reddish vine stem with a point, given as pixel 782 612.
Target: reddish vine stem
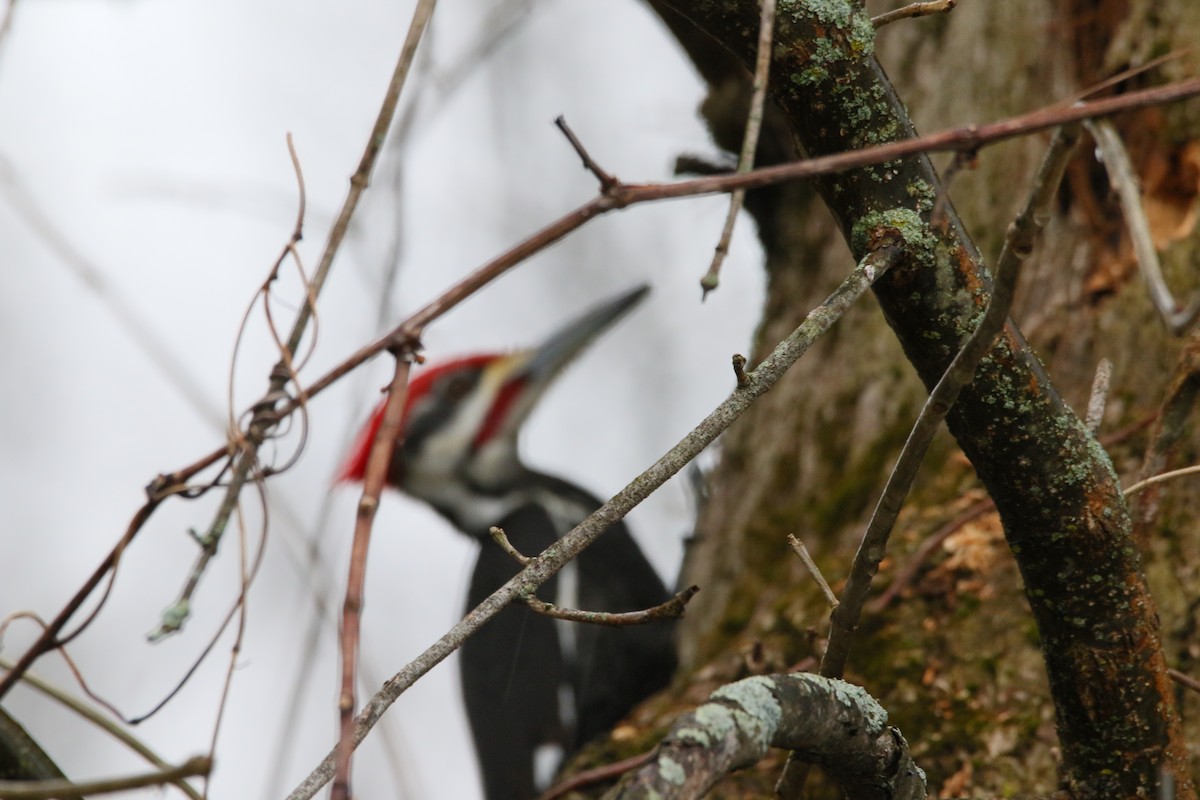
pixel 373 481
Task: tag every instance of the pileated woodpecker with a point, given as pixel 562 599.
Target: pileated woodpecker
pixel 535 689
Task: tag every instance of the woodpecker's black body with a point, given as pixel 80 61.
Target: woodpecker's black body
pixel 609 671
pixel 529 682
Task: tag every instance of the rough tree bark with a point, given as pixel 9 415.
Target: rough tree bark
pixel 958 660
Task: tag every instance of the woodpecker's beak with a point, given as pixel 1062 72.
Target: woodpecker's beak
pixel 563 345
pixel 531 372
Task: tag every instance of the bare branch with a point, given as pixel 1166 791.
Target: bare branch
pixel 966 138
pixel 266 416
pixel 813 569
pixel 103 722
pixel 762 68
pixel 607 181
pixel 913 10
pixel 1099 396
pixel 1165 476
pixel 501 538
pixel 671 609
pixel 931 543
pixel 1124 182
pixel 595 775
pixel 1187 681
pixel 46 790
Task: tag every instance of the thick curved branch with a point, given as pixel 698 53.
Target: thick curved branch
pixel 835 724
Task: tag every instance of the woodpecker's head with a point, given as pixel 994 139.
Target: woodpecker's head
pixel 458 450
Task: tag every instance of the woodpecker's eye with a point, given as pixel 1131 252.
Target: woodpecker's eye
pixel 458 385
pixel 438 407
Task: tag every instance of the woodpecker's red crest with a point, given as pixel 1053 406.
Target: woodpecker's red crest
pixel 462 417
pixel 355 468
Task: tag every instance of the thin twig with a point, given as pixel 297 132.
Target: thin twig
pixel 501 538
pixel 46 790
pixel 175 614
pixel 606 180
pixel 807 560
pixel 266 416
pixel 906 575
pixel 102 722
pixel 1165 476
pixel 1099 396
pixel 496 27
pixel 913 10
pixel 48 639
pixel 926 548
pixel 1170 429
pixel 569 546
pixel 595 775
pixel 1018 243
pixel 6 20
pixel 212 642
pixel 938 218
pixel 246 575
pixel 127 314
pixel 1125 183
pixel 671 609
pixel 762 69
pixel 1187 681
pixel 1133 72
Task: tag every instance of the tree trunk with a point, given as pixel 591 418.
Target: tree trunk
pixel 958 659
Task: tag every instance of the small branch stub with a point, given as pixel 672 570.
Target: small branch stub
pixel 913 10
pixel 739 370
pixel 1124 181
pixel 762 68
pixel 501 538
pixel 1099 397
pixel 813 569
pixel 607 181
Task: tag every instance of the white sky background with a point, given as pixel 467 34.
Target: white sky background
pixel 151 135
